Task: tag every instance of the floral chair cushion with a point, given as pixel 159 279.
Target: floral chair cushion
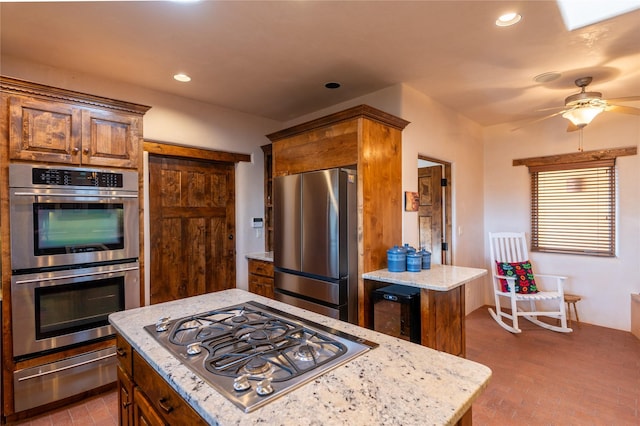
pixel 522 272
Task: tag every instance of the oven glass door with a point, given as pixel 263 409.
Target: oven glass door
pixel 61 228
pixel 75 307
pixel 53 310
pixel 54 231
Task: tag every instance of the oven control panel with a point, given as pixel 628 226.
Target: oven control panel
pixel 66 177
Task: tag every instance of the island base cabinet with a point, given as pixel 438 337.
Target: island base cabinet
pixel 125 398
pixel 167 404
pixel 143 412
pixel 144 397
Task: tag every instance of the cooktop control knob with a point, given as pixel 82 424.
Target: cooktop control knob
pixel 162 324
pixel 194 348
pixel 241 383
pixel 264 387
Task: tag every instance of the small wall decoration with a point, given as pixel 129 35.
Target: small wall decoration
pixel 411 201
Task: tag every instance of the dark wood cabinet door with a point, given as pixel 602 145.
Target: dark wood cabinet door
pixel 192 227
pixel 125 398
pixel 261 278
pixel 161 399
pixel 144 414
pixel 44 131
pixel 110 138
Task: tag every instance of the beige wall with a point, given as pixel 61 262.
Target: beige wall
pixel 605 284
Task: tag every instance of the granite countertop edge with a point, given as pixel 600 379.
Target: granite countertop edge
pixel 397 383
pixel 438 278
pixel 266 256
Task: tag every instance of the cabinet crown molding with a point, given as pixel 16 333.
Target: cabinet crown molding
pixel 23 87
pixel 364 111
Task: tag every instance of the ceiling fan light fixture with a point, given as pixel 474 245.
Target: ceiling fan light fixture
pixel 581 116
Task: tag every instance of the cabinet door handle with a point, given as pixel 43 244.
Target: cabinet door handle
pixel 121 352
pixel 75 150
pixel 164 404
pixel 86 150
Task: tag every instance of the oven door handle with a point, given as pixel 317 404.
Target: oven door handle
pixel 62 277
pixel 57 194
pixel 57 370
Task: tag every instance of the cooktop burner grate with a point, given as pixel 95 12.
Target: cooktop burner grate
pixel 247 346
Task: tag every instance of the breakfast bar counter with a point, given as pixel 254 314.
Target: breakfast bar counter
pixel 442 302
pixel 396 383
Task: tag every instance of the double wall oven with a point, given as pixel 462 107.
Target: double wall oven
pixel 74 260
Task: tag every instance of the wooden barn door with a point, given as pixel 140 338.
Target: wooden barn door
pixel 192 226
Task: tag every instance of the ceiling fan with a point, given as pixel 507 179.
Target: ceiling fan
pixel 581 108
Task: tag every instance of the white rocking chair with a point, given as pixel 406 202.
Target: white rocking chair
pixel 512 247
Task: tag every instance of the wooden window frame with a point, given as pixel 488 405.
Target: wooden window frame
pixel 585 223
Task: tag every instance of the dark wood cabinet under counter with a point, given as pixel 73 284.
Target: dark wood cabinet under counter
pixel 261 274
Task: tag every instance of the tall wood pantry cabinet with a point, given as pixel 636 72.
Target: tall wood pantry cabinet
pixel 53 126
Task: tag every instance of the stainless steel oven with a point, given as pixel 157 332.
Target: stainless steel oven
pixel 56 309
pixel 74 261
pixel 65 217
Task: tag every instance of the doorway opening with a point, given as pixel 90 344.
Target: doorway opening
pixel 434 209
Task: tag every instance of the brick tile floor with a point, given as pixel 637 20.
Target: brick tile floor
pixel 540 377
pixel 588 377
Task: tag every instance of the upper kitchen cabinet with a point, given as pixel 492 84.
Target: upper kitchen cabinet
pixel 51 125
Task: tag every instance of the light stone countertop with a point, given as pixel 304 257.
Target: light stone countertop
pixel 266 256
pixel 439 277
pixel 397 383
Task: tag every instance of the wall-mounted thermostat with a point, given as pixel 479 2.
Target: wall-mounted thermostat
pixel 256 222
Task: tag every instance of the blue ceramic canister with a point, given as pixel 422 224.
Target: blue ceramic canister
pixel 426 259
pixel 396 259
pixel 408 248
pixel 414 262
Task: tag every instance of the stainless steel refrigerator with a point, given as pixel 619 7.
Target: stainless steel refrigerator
pixel 315 242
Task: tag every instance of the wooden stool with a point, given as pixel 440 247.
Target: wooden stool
pixel 572 299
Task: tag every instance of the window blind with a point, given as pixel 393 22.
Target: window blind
pixel 573 208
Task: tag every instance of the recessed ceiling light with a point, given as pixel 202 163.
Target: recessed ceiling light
pixel 508 19
pixel 547 77
pixel 332 85
pixel 182 77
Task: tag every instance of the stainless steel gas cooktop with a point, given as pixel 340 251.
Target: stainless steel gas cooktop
pixel 252 353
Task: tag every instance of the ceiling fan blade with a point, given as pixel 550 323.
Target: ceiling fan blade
pixel 538 120
pixel 623 109
pixel 625 99
pixel 552 108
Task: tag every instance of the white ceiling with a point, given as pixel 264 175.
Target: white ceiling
pixel 272 58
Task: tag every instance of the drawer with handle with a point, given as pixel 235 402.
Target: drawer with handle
pixel 166 401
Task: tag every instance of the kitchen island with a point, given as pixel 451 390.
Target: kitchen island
pixel 396 383
pixel 442 302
